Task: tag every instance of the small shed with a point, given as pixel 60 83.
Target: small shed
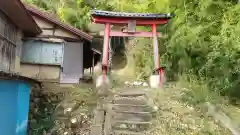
pixel 59 54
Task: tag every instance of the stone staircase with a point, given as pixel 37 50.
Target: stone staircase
pixel 129 112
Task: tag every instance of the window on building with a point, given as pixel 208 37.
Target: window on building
pixel 8 39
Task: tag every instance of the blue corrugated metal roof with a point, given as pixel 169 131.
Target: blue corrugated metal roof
pixel 16 76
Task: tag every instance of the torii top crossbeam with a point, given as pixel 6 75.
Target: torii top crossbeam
pixel 119 18
pixel 130 19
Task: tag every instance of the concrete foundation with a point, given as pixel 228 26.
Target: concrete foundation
pixel 154 81
pixel 102 81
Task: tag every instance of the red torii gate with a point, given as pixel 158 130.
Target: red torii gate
pixel 131 20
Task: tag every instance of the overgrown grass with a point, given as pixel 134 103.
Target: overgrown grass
pixel 196 91
pixel 61 111
pixel 181 113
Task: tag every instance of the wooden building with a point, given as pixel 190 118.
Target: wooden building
pixel 58 54
pixel 14 25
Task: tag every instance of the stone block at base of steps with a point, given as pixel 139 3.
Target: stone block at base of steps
pixel 131 125
pixel 140 100
pixel 96 130
pixel 132 116
pixel 134 93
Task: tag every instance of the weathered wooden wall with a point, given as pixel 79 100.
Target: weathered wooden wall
pixel 51 30
pixel 8 43
pixel 43 73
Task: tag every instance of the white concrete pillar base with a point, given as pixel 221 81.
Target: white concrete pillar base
pixel 102 81
pixel 154 81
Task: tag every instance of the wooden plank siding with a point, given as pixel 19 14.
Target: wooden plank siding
pixel 8 40
pixel 52 30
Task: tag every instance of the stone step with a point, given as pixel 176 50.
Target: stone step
pixel 96 130
pixel 133 122
pixel 123 132
pixel 132 128
pixel 132 116
pixel 129 107
pixel 134 112
pixel 131 125
pixel 141 100
pixel 134 93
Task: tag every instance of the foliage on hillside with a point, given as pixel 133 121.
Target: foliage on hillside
pixel 202 40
